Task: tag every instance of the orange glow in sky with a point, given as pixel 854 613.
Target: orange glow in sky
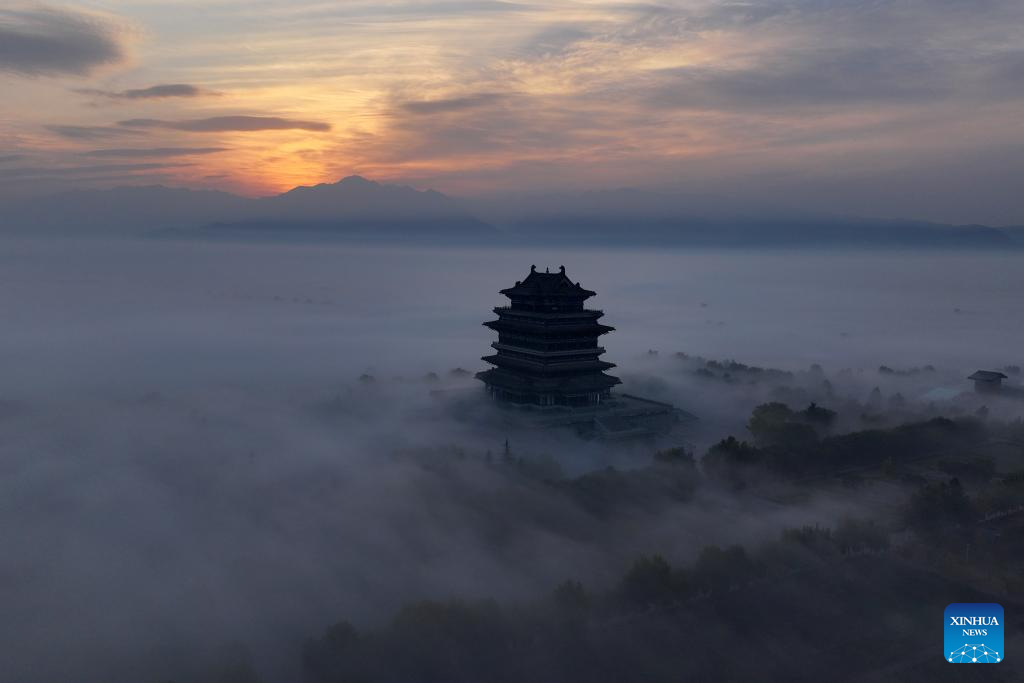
pixel 483 96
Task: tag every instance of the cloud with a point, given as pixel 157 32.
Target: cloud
pixel 83 171
pixel 47 41
pixel 452 104
pixel 805 77
pixel 375 11
pixel 132 152
pixel 152 92
pixel 602 93
pixel 220 124
pixel 7 158
pixel 554 40
pixel 91 132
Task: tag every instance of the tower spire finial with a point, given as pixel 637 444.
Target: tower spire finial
pixel 533 269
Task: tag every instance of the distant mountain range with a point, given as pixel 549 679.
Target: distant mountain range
pixel 358 209
pixel 650 218
pixel 353 206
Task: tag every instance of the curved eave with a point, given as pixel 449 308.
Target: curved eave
pixel 559 385
pixel 560 353
pixel 520 364
pixel 539 328
pixel 525 290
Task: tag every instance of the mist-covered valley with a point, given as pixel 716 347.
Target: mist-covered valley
pixel 475 341
pixel 212 453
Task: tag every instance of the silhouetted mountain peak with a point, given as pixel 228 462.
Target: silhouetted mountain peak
pixel 356 181
pixel 355 197
pixel 352 182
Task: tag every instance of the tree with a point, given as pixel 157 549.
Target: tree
pixel 717 570
pixel 726 460
pixel 938 507
pixel 678 456
pixel 815 539
pixel 817 416
pixel 652 580
pixel 767 421
pixel 777 425
pixel 571 597
pixel 854 535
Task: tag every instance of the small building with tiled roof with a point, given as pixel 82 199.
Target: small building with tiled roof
pixel 987 381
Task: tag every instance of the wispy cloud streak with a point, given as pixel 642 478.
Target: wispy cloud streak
pixel 221 124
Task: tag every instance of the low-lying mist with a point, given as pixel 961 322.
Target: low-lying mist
pixel 209 446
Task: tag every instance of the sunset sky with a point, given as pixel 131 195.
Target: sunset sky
pixel 883 107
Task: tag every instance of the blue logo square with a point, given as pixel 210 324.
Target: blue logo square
pixel 974 633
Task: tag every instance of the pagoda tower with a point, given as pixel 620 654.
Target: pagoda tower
pixel 547 350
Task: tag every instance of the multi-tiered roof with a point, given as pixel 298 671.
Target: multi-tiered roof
pixel 547 350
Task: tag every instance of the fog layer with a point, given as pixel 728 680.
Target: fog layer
pixel 188 458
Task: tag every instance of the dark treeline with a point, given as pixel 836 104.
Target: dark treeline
pixel 801 603
pixel 574 634
pixel 797 443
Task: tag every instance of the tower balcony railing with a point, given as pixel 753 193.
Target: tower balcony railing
pixel 592 351
pixel 584 313
pixel 585 343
